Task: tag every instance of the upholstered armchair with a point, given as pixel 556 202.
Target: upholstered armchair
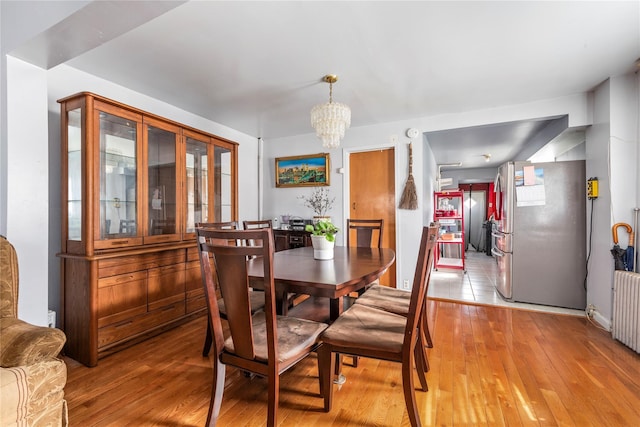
pixel 32 377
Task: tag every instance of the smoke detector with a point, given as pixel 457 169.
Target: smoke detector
pixel 412 133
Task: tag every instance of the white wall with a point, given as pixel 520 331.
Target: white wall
pixel 612 157
pixel 27 184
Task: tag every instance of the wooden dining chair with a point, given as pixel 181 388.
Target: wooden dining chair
pixel 262 343
pixel 368 332
pixel 256 297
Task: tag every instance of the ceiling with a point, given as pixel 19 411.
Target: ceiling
pixel 257 66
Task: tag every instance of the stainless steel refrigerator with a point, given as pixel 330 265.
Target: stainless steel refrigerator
pixel 540 235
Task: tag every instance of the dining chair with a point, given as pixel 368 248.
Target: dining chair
pixel 256 298
pixel 367 234
pixel 369 332
pixel 262 343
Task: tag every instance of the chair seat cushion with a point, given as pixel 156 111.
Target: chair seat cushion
pixel 367 328
pixel 295 337
pixel 385 298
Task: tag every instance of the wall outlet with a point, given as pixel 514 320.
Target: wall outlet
pixel 591 310
pixel 405 284
pixel 51 319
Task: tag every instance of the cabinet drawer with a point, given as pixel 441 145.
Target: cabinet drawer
pixel 165 286
pixel 131 263
pixel 192 254
pixel 196 301
pixel 121 297
pixel 139 324
pixel 193 279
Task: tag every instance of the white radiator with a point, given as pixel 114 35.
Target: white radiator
pixel 626 309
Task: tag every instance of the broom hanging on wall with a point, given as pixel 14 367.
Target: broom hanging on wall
pixel 409 199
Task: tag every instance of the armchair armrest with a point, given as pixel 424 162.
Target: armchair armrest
pixel 24 344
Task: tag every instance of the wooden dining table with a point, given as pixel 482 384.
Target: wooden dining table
pixel 351 269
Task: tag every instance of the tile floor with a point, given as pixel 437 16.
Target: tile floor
pixel 478 285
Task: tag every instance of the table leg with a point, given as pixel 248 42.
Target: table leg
pixel 336 306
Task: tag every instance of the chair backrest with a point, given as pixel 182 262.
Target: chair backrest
pixel 229 225
pixel 230 275
pixel 420 285
pixel 255 225
pixel 8 279
pixel 249 225
pixel 368 232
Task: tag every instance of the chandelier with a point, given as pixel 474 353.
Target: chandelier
pixel 331 119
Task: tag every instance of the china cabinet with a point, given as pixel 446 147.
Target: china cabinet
pixel 449 213
pixel 136 184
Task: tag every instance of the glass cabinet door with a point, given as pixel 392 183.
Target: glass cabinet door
pixel 162 209
pixel 74 175
pixel 118 177
pixel 223 184
pixel 197 183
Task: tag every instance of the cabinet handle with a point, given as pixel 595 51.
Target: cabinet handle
pixel 354 206
pixel 127 323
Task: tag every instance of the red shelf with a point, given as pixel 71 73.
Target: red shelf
pixel 453 221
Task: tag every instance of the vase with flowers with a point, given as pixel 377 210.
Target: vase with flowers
pixel 320 202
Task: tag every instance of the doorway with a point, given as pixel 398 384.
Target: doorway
pixel 372 196
pixel 475 214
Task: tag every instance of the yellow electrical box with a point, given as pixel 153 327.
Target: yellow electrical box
pixel 592 188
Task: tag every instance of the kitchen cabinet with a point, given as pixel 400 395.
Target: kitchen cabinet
pixel 135 185
pixel 291 239
pixel 449 213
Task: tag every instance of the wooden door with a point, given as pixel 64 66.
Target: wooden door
pixel 372 196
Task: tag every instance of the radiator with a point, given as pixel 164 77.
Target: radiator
pixel 626 309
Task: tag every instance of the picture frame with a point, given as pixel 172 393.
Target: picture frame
pixel 310 170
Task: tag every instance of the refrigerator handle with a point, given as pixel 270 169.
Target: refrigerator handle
pixel 496 252
pixel 497 188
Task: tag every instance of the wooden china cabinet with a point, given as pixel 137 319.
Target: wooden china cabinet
pixel 136 184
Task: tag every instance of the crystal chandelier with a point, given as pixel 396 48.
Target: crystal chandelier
pixel 331 119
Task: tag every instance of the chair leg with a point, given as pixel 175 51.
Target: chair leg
pixel 425 324
pixel 423 352
pixel 216 392
pixel 409 392
pixel 208 340
pixel 326 361
pixel 420 361
pixel 273 397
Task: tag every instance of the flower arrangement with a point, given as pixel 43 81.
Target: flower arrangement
pixel 323 228
pixel 319 201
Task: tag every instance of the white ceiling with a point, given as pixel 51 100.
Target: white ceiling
pixel 257 66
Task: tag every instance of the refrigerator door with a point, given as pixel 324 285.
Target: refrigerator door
pixel 549 239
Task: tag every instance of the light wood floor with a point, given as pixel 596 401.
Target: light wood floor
pixel 489 366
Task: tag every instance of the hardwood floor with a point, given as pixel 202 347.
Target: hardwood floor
pixel 489 366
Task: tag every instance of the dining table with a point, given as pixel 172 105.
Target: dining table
pixel 297 271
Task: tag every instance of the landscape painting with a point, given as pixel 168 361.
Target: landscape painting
pixel 307 170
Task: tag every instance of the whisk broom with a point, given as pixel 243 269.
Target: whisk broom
pixel 409 199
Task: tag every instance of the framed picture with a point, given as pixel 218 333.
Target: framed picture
pixel 298 171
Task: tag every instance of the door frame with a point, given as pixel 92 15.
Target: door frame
pixel 346 194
